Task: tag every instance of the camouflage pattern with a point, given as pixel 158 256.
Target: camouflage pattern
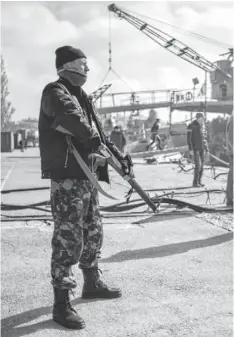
pixel 78 232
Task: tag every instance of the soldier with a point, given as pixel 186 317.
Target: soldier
pixel 78 234
pixel 197 143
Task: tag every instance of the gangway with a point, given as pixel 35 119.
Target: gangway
pixel 184 100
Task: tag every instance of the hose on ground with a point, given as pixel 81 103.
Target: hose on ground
pixel 112 208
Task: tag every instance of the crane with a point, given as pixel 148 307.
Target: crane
pixel 169 42
pixel 99 92
pixel 229 54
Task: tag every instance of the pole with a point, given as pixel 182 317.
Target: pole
pixel 205 108
pixel 170 122
pixel 170 115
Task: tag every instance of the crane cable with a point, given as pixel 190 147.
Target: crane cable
pixel 208 39
pixel 110 60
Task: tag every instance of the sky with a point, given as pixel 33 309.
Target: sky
pixel 32 31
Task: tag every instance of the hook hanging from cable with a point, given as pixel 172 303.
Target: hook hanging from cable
pixel 110 59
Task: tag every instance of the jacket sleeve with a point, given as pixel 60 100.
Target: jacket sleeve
pixel 124 140
pixel 111 137
pixel 189 137
pixel 58 104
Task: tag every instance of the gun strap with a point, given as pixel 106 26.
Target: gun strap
pixel 86 169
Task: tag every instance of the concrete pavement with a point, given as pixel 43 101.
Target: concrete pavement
pixel 175 272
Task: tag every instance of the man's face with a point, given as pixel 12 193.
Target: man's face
pixel 78 65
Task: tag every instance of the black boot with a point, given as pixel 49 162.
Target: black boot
pixel 195 179
pixel 200 177
pixel 63 313
pixel 95 288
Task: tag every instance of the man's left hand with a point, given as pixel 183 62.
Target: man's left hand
pixel 96 160
pixel 127 166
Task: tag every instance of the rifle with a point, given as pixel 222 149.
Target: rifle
pixel 115 163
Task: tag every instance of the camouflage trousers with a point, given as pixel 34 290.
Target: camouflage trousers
pixel 78 232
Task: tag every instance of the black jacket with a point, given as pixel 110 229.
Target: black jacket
pixel 75 113
pixel 154 128
pixel 118 138
pixel 197 136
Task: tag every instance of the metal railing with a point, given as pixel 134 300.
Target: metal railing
pixel 134 98
pixel 139 98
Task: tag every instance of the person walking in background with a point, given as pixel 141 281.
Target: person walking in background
pixel 117 137
pixel 21 145
pixel 198 146
pixel 154 134
pixel 229 141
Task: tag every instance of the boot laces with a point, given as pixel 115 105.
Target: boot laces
pixel 68 303
pixel 98 282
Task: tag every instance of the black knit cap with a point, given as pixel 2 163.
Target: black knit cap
pixel 67 54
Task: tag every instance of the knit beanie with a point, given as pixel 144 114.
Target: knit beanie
pixel 199 115
pixel 67 54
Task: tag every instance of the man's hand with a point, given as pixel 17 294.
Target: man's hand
pixel 96 160
pixel 190 154
pixel 127 166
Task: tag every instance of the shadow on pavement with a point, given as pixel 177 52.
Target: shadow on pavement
pixel 164 217
pixel 9 325
pixel 167 250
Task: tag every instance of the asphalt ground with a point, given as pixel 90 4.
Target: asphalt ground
pixel 175 270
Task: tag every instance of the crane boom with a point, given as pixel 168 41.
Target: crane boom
pixel 99 92
pixel 168 42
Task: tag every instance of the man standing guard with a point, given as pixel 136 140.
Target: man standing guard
pixel 197 143
pixel 78 233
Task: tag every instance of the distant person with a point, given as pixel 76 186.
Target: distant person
pixel 21 145
pixel 118 138
pixel 229 140
pixel 198 146
pixel 154 134
pixel 25 144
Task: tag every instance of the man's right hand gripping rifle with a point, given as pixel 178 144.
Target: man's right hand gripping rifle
pixel 108 152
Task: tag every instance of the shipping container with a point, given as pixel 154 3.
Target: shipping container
pixel 7 141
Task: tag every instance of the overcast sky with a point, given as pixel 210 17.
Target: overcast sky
pixel 31 31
